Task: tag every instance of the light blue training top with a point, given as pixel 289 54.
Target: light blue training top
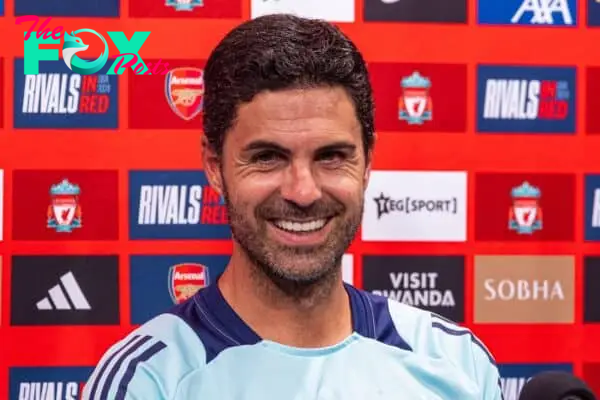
pixel 202 350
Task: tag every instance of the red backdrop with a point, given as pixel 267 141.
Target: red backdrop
pixel 141 148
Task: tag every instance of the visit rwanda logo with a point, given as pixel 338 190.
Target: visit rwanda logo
pixel 73 45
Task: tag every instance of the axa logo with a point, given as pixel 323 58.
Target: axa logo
pixel 128 49
pixel 65 295
pixel 542 11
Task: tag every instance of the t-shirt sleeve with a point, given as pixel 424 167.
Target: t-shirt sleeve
pixel 469 353
pixel 146 365
pixel 487 372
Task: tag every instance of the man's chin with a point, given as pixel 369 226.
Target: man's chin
pixel 300 284
pixel 301 268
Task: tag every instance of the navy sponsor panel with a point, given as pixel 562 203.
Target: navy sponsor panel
pixel 514 376
pixel 425 11
pixel 68 8
pixel 591 290
pixel 592 208
pixel 56 383
pixel 175 205
pixel 593 13
pixel 432 283
pixel 518 99
pixel 527 12
pixel 157 283
pixel 60 98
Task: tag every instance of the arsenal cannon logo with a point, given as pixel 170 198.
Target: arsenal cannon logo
pixel 185 280
pixel 184 89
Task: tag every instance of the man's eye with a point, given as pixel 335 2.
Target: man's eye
pixel 332 156
pixel 265 157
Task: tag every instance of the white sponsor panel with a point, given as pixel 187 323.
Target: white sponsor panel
pixel 348 268
pixel 330 10
pixel 416 206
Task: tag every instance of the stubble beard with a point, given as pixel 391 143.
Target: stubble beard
pixel 271 261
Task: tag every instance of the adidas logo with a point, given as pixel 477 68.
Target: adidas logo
pixel 59 296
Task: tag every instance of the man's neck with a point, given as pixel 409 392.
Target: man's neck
pixel 319 319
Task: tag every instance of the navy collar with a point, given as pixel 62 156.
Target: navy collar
pixel 211 300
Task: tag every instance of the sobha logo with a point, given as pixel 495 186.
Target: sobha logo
pixel 530 289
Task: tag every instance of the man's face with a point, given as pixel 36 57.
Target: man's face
pixel 293 172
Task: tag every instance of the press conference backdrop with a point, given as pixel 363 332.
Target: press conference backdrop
pixel 483 206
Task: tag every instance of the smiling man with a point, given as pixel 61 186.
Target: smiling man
pixel 288 122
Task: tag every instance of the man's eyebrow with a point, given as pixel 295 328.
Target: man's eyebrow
pixel 337 146
pixel 268 145
pixel 265 145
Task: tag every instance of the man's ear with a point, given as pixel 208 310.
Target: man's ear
pixel 212 166
pixel 369 162
pixel 367 174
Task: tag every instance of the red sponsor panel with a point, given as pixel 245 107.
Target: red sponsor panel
pixel 1 92
pixel 418 126
pixel 185 9
pixel 592 100
pixel 65 205
pixel 419 97
pixel 524 207
pixel 591 374
pixel 170 101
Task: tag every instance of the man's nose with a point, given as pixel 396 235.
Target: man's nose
pixel 300 185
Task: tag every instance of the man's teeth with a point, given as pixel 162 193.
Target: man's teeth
pixel 300 226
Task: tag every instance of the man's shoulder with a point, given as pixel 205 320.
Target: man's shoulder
pixel 152 359
pixel 186 328
pixel 428 333
pixel 172 330
pixel 432 336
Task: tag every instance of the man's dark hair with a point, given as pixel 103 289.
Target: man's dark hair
pixel 277 52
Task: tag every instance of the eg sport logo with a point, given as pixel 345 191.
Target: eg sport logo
pixel 128 49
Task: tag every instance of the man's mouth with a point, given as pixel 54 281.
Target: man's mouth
pixel 301 226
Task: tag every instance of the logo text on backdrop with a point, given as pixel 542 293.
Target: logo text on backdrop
pixel 528 12
pixel 532 99
pixel 128 49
